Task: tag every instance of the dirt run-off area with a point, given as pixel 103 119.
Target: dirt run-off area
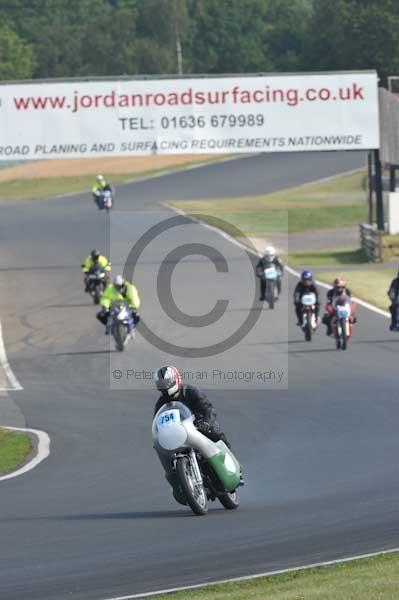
pixel 91 166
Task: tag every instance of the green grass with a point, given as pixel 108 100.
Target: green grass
pixel 30 189
pixel 14 449
pixel 367 579
pixel 338 256
pixel 369 284
pixel 335 203
pixel 262 222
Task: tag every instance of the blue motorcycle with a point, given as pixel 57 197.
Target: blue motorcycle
pixel 121 324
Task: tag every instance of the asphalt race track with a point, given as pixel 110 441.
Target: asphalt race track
pixel 96 519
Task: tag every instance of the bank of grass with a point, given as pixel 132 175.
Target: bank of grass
pixel 366 579
pixel 36 188
pixel 339 202
pixel 15 447
pixel 369 284
pixel 337 256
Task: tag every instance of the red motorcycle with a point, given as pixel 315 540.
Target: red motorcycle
pixel 342 314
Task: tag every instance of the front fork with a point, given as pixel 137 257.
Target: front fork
pixel 194 467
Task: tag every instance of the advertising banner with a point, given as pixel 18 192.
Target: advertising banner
pixel 264 113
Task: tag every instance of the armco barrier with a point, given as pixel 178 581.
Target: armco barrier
pixel 371 242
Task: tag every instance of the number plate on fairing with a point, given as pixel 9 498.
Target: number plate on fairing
pixel 271 273
pixel 167 418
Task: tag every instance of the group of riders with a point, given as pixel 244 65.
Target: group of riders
pixel 119 290
pixel 168 379
pixel 339 294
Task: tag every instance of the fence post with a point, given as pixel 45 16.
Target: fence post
pixel 378 191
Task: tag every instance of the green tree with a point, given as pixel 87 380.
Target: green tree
pixel 355 34
pixel 229 36
pixel 17 59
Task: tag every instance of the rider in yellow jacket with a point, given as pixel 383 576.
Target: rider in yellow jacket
pixel 94 259
pixel 119 290
pixel 100 186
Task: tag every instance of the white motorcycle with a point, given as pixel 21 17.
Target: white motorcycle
pixel 309 320
pixel 272 274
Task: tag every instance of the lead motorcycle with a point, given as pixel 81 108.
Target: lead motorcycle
pixel 204 470
pixel 309 320
pixel 121 324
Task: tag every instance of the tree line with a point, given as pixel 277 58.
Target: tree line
pixel 82 38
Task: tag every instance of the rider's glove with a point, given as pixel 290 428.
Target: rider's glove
pixel 202 426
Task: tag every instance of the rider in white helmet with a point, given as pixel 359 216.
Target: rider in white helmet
pixel 268 259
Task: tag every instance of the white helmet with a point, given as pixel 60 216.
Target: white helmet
pixel 270 253
pixel 100 178
pixel 119 282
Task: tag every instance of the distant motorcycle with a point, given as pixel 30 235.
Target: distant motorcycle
pixel 309 320
pixel 395 312
pixel 97 281
pixel 104 199
pixel 342 322
pixel 121 324
pixel 272 275
pixel 204 470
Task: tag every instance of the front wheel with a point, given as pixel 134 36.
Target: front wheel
pixel 97 294
pixel 194 492
pixel 230 501
pixel 308 331
pixel 344 343
pixel 120 335
pixel 270 290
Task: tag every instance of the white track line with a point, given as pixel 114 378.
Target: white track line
pixel 257 576
pixel 14 383
pixel 228 237
pixel 43 451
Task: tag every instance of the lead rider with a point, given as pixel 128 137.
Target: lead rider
pixel 168 381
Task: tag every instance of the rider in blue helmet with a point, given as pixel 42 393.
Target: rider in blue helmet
pixel 305 286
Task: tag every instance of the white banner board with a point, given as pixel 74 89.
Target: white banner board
pixel 268 113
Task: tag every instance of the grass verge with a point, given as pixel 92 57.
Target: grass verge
pixel 30 189
pixel 328 205
pixel 370 285
pixel 366 579
pixel 337 256
pixel 15 447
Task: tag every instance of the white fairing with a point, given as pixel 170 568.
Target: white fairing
pixel 343 312
pixel 171 432
pixel 172 437
pixel 123 314
pixel 271 273
pixel 309 299
pixel 107 198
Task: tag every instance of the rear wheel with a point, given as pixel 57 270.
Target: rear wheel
pixel 120 335
pixel 230 501
pixel 194 492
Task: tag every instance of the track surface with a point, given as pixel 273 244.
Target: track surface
pixel 96 519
